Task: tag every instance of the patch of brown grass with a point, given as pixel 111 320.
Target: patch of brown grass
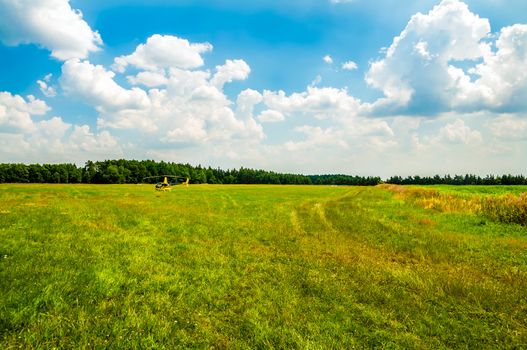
pixel 506 208
pixel 435 200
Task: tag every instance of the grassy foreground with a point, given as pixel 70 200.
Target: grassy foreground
pixel 87 266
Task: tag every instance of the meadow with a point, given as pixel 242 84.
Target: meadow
pixel 244 267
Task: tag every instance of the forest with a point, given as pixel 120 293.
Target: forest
pixel 459 180
pixel 133 171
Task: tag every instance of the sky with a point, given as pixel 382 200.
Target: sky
pixel 303 86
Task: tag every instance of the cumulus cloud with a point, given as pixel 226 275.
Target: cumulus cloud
pixel 349 65
pixel 56 140
pixel 509 127
pixel 369 127
pixel 328 59
pixel 24 139
pixel 316 137
pixel 246 101
pixel 230 71
pixel 458 132
pixel 319 103
pixel 502 85
pixel 148 79
pixel 185 82
pixel 416 75
pixel 16 113
pixel 357 137
pixel 102 144
pixel 270 116
pixel 96 86
pixel 178 104
pixel 45 87
pixel 163 52
pixel 348 131
pixel 420 74
pixel 192 131
pixel 52 24
pixel 54 128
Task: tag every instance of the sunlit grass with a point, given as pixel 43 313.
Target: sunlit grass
pixel 506 208
pixel 255 267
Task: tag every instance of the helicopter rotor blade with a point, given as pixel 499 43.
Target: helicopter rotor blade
pixel 177 178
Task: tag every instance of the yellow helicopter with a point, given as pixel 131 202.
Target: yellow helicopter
pixel 167 185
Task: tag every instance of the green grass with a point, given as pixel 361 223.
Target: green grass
pixel 305 267
pixel 479 190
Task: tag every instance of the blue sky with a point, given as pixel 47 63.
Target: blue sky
pixel 312 86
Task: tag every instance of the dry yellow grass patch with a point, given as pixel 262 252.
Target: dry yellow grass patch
pixel 435 200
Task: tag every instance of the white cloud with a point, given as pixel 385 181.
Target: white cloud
pixel 348 129
pixel 56 140
pixel 230 71
pixel 54 128
pixel 458 132
pixel 361 137
pixel 246 101
pixel 245 104
pixel 193 109
pixel 270 116
pixel 509 127
pixel 96 86
pixel 416 75
pixel 24 139
pixel 148 79
pixel 421 49
pixel 369 127
pixel 46 89
pixel 328 59
pixel 502 85
pixel 349 65
pixel 316 137
pixel 179 105
pixel 50 23
pixel 419 73
pixel 184 82
pixel 163 52
pixel 14 148
pixel 103 144
pixel 319 103
pixel 16 113
pixel 316 81
pixel 192 131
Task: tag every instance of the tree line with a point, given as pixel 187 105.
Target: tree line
pixel 459 180
pixel 134 171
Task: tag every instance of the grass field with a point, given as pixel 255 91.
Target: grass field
pixel 308 267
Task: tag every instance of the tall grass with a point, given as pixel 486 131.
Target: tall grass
pixel 507 208
pixel 436 200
